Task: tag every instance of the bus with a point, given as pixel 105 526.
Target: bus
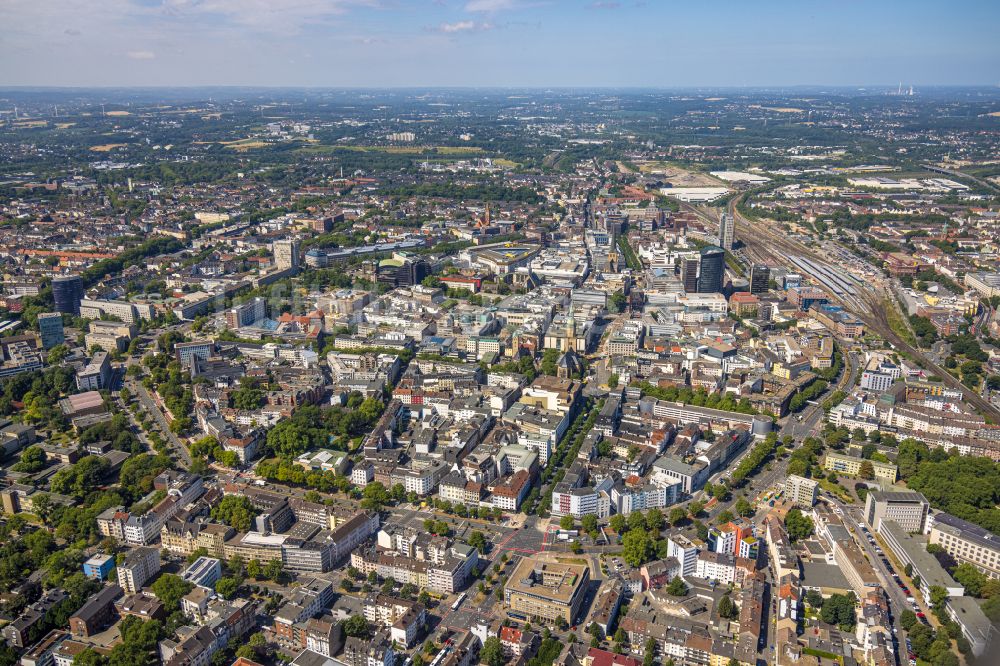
pixel 458 602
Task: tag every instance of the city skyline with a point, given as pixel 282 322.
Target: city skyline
pixel 494 43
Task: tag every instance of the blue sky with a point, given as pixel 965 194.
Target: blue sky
pixel 378 43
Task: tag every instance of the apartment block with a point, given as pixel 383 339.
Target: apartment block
pixel 801 491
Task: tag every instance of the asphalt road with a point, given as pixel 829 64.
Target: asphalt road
pixel 897 600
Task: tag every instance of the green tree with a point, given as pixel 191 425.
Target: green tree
pixel 677 587
pixel 478 541
pixel 32 460
pixel 971 579
pixel 169 589
pixel 649 653
pixel 799 526
pixel 235 510
pixel 726 607
pixel 356 626
pixel 227 587
pixel 375 496
pixel 618 523
pixel 677 516
pixel 254 569
pixel 938 597
pixel 636 548
pixel 839 610
pixel 247 397
pixel 567 522
pixel 273 570
pixel 492 652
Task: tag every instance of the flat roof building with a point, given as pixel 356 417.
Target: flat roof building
pixel 908 509
pixel 800 490
pixel 914 552
pixel 967 543
pixel 546 590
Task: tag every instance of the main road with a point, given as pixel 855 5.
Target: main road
pixel 897 600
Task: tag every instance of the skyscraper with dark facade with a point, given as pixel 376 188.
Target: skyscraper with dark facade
pixel 67 292
pixel 689 274
pixel 713 270
pixel 398 272
pixel 760 278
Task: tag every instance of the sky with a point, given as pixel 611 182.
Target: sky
pixel 536 43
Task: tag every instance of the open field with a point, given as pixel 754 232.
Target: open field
pixel 244 144
pixel 678 176
pixel 107 147
pixel 779 109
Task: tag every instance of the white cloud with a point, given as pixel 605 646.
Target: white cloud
pixel 141 55
pixel 464 26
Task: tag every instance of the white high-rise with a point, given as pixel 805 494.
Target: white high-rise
pixel 286 253
pixel 727 231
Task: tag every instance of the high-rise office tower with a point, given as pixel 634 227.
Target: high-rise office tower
pixel 689 274
pixel 712 275
pixel 67 290
pixel 50 329
pixel 286 254
pixel 727 231
pixel 760 278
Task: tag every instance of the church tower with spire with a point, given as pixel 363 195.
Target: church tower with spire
pixel 570 329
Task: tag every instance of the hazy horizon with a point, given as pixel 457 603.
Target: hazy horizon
pixel 576 44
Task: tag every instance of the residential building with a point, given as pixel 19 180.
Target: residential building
pixel 286 254
pixel 801 491
pixel 975 626
pixel 137 568
pixel 712 273
pixel 67 292
pixel 96 375
pixel 845 464
pixel 403 618
pixel 96 613
pixel 204 571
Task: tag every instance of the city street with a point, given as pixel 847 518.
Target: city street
pixel 852 517
pixel 151 408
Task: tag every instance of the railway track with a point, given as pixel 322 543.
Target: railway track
pixel 763 240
